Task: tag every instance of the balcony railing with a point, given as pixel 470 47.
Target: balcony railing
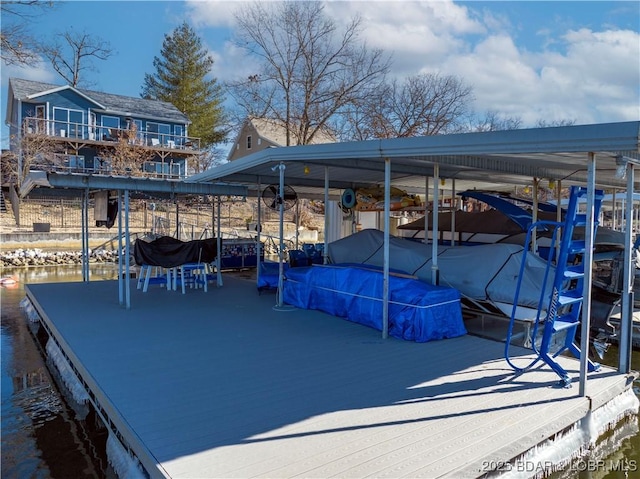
pixel 85 131
pixel 102 166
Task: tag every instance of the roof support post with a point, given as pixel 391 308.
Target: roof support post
pixel 588 273
pixel 534 215
pixel 85 235
pixel 558 213
pixel 258 232
pixel 281 167
pixel 626 312
pixel 435 232
pixel 19 143
pixel 327 223
pixel 120 263
pixel 127 251
pixel 426 210
pixel 453 211
pixel 385 281
pixel 219 236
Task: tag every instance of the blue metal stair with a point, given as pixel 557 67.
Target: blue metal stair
pixel 564 305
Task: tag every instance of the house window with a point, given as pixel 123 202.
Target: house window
pixel 179 135
pixel 158 131
pixel 249 142
pixel 40 123
pixel 68 122
pixel 109 123
pixel 102 164
pixel 70 162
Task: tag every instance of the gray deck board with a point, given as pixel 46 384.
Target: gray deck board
pixel 220 384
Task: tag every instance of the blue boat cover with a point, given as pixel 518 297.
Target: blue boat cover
pixel 417 311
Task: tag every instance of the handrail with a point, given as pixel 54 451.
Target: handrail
pixel 98 133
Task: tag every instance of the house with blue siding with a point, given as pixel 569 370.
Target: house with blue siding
pixel 86 125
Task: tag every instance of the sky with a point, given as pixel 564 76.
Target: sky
pixel 536 60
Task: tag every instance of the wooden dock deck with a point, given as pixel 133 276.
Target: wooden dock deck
pixel 222 384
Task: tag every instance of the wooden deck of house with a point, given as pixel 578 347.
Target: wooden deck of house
pixel 221 384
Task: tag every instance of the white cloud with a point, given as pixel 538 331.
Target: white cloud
pixel 212 13
pixel 40 72
pixel 586 75
pixel 415 33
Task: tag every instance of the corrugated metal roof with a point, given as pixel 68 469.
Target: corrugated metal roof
pixel 115 104
pixel 511 157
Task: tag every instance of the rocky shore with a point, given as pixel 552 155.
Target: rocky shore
pixel 38 257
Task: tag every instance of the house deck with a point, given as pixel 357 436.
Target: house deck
pixel 222 384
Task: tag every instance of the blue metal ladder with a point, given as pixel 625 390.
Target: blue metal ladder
pixel 564 304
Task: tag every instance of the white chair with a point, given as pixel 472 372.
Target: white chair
pixel 171 143
pixel 155 142
pixel 193 273
pixel 159 277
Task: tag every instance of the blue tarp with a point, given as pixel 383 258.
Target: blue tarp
pixel 417 311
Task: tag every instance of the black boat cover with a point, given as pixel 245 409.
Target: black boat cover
pixel 169 252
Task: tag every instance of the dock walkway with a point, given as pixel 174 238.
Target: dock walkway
pixel 222 384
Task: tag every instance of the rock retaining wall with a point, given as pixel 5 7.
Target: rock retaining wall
pixel 38 257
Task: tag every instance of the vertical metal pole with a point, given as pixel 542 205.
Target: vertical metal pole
pixel 20 145
pixel 85 235
pixel 614 210
pixel 588 262
pixel 558 214
pixel 327 221
pixel 434 228
pixel 297 223
pixel 534 233
pixel 385 281
pixel 219 233
pixel 626 312
pixel 258 233
pixel 120 268
pixel 127 251
pixel 453 211
pixel 426 210
pixel 279 303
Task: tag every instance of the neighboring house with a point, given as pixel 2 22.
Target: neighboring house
pixel 86 123
pixel 257 134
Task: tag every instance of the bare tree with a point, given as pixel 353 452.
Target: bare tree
pixel 72 53
pixel 541 123
pixel 308 71
pixel 494 121
pixel 424 104
pixel 18 45
pixel 32 151
pixel 126 156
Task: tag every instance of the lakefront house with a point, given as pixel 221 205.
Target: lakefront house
pixel 86 126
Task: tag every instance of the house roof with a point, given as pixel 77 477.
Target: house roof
pixel 487 160
pixel 276 132
pixel 26 90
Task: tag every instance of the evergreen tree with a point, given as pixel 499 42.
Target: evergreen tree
pixel 181 79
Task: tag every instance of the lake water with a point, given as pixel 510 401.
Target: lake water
pixel 43 437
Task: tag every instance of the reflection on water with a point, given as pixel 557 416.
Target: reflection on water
pixel 42 437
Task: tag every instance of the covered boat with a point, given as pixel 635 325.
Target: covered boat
pixel 485 275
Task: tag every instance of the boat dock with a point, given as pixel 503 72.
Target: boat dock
pixel 224 384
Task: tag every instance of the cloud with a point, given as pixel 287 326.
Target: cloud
pixel 41 72
pixel 547 72
pixel 212 13
pixel 415 33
